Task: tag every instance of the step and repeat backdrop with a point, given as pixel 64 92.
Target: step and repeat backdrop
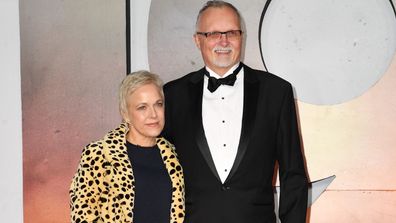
pixel 339 56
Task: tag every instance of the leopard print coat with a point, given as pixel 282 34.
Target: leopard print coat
pixel 102 189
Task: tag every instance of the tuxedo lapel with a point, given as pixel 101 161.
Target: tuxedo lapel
pixel 196 92
pixel 250 97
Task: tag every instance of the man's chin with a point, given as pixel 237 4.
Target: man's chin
pixel 224 64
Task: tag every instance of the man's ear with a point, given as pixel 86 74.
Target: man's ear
pixel 197 41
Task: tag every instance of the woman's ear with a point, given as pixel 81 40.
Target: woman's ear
pixel 125 117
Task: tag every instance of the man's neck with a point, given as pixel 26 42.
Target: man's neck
pixel 221 71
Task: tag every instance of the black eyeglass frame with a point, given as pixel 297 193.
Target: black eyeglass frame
pixel 215 33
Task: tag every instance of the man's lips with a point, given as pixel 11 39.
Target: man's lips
pixel 222 50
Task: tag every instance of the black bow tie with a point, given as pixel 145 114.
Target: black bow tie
pixel 214 83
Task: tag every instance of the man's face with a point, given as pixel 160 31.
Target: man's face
pixel 222 53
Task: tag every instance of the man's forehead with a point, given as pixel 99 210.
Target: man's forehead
pixel 219 17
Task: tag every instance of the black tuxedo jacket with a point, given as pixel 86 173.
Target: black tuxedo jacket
pixel 269 133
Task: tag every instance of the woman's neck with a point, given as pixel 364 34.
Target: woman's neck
pixel 141 141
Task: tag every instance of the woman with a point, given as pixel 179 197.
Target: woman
pixel 131 175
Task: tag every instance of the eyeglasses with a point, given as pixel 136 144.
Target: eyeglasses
pixel 216 35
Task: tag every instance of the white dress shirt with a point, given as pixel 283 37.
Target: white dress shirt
pixel 222 121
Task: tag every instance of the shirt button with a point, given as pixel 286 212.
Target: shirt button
pixel 224 145
pixel 222 98
pixel 224 188
pixel 223 121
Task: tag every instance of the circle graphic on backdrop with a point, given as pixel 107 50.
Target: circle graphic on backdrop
pixel 331 51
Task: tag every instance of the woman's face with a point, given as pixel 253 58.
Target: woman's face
pixel 145 113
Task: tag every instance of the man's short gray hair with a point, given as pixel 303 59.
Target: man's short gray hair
pixel 217 4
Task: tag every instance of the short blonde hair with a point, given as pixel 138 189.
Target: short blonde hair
pixel 132 82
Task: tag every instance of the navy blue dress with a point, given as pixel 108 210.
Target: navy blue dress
pixel 153 187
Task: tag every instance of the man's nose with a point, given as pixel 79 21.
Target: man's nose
pixel 224 39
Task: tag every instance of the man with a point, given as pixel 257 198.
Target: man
pixel 229 138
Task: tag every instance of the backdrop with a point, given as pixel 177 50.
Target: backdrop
pixel 72 61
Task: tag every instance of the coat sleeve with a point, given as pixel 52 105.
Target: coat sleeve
pixel 292 175
pixel 85 187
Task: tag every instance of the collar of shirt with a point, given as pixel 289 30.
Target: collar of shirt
pixel 213 74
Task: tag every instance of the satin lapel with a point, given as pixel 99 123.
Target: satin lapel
pixel 250 97
pixel 196 92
